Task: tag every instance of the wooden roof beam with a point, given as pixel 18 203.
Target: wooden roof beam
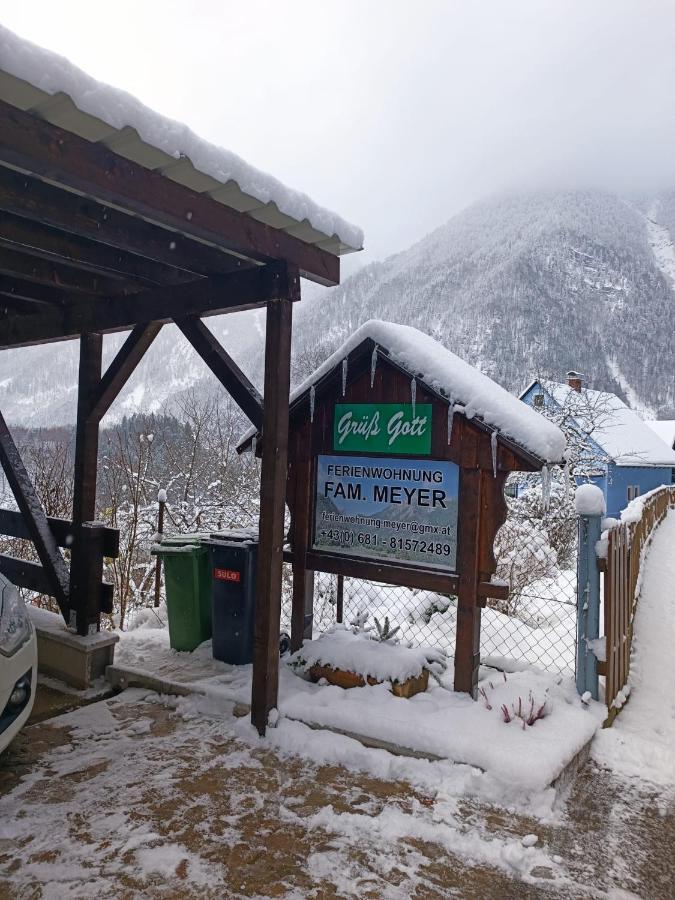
pixel 246 289
pixel 33 145
pixel 19 264
pixel 37 202
pixel 28 290
pixel 43 242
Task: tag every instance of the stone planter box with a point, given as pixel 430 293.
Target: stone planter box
pixel 341 678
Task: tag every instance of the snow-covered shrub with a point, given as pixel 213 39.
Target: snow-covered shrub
pixel 524 556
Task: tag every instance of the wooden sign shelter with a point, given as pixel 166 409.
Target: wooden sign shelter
pixel 102 231
pixel 392 480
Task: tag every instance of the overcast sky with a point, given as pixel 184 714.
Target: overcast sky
pixel 395 114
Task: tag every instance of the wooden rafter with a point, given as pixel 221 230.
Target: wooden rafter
pixel 19 264
pixel 223 367
pixel 25 290
pixel 51 152
pixel 47 205
pixel 53 565
pixel 44 242
pixel 245 289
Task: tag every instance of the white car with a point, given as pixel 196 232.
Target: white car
pixel 18 662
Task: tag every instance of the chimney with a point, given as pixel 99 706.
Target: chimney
pixel 574 380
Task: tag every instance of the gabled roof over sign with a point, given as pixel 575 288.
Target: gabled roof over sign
pixel 615 428
pixel 47 85
pixel 471 392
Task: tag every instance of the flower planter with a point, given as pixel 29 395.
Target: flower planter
pixel 344 679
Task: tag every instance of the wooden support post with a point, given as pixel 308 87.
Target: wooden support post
pixel 272 506
pixel 84 613
pixel 467 644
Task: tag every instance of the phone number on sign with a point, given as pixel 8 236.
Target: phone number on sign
pixel 366 539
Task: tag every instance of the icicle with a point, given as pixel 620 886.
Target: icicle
pixel 312 397
pixel 344 376
pixel 566 475
pixel 373 365
pixel 413 394
pixel 493 443
pixel 451 419
pixel 545 488
pixel 254 443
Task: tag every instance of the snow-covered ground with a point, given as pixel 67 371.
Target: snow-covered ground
pixel 516 759
pixel 641 743
pixel 141 796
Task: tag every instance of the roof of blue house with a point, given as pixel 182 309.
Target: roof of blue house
pixel 665 428
pixel 617 430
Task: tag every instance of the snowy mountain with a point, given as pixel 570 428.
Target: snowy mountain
pixel 530 285
pixel 521 286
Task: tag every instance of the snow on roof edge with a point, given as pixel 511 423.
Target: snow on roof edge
pixel 464 385
pixel 664 428
pixel 617 430
pixel 49 72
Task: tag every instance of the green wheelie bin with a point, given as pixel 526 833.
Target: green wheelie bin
pixel 187 576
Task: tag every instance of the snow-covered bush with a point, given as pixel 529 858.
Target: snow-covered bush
pixel 524 556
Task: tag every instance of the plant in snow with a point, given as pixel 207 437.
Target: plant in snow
pixel 484 695
pixel 358 623
pixel 529 712
pixel 385 632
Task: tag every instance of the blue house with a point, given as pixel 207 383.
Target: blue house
pixel 613 447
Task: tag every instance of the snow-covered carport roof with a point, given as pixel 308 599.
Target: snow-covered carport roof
pixel 102 198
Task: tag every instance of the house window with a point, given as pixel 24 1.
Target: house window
pixel 538 399
pixel 633 491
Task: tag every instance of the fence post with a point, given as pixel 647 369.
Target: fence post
pixel 339 599
pixel 588 604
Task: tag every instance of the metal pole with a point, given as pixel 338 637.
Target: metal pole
pixel 588 604
pixel 339 611
pixel 158 562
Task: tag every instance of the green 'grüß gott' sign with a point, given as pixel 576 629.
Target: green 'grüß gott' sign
pixel 383 428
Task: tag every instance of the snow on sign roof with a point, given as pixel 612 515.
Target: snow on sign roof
pixel 41 82
pixel 471 390
pixel 614 427
pixel 665 428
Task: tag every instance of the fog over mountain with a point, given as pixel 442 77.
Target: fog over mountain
pixel 520 286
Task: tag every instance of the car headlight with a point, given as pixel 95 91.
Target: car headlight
pixel 15 626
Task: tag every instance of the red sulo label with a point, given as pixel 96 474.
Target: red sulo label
pixel 227 575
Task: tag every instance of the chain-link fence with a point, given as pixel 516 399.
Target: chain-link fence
pixel 536 625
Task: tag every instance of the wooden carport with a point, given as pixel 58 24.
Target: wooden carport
pixel 101 232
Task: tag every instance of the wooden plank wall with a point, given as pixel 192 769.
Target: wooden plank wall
pixel 625 552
